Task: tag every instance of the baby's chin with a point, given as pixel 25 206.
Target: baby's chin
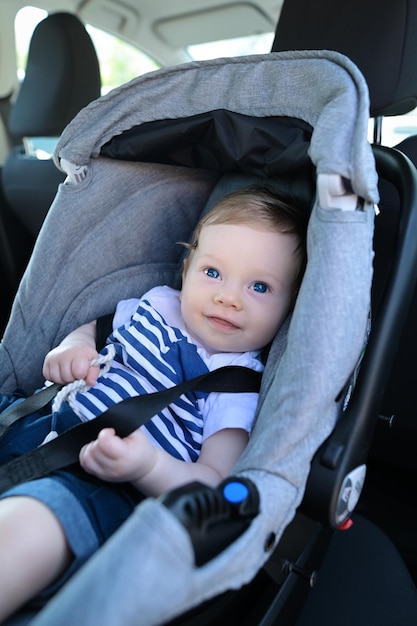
pixel 223 343
pixel 221 347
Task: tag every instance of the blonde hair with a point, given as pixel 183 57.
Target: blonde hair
pixel 263 207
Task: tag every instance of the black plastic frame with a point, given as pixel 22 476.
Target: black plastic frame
pixel 348 445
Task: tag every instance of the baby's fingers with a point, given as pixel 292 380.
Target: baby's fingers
pixel 104 448
pixel 92 375
pixel 103 456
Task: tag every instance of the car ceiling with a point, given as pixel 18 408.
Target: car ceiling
pixel 165 29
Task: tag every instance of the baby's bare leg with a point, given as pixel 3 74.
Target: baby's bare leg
pixel 33 551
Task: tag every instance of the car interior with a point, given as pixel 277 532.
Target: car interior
pixel 379 428
pixel 49 97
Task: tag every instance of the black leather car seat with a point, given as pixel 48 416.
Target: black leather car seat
pixel 377 35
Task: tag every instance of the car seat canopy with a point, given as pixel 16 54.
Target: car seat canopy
pixel 317 89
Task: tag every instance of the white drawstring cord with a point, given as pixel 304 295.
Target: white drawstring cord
pixel 69 392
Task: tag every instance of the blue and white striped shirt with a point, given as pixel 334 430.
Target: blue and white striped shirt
pixel 154 351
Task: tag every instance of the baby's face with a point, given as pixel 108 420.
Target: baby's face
pixel 237 288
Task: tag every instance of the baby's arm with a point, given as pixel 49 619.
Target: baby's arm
pixel 152 470
pixel 71 359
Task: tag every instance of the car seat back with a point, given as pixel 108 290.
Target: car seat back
pixel 62 75
pixel 378 36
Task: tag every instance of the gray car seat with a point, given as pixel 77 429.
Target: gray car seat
pixel 108 150
pixel 62 76
pixel 301 555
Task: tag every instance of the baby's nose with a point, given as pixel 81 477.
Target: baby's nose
pixel 228 296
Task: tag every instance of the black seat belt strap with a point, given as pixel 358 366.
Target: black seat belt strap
pixel 27 406
pixel 124 417
pixel 41 398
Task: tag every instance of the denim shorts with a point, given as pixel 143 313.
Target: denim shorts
pixel 89 510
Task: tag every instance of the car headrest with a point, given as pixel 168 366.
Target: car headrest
pixel 62 76
pixel 379 36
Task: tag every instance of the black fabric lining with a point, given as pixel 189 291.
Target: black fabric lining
pixel 219 140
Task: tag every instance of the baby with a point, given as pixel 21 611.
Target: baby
pixel 240 280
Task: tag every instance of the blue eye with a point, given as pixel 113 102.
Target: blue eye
pixel 212 273
pixel 259 287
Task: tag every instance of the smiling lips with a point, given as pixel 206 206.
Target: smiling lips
pixel 219 323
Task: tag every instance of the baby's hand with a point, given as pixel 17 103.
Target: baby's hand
pixel 117 459
pixel 69 362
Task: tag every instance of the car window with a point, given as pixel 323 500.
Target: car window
pixel 398 127
pixel 238 46
pixel 24 25
pixel 119 61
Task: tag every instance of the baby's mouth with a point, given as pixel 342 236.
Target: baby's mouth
pixel 222 323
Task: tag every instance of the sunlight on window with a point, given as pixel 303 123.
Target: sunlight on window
pixel 25 23
pixel 119 61
pixel 239 46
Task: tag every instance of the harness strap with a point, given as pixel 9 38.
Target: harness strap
pixel 27 406
pixel 124 417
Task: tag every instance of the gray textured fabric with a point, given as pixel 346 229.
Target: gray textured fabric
pixel 325 89
pixel 112 236
pixel 145 574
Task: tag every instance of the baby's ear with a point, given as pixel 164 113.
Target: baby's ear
pixel 185 265
pixel 183 274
